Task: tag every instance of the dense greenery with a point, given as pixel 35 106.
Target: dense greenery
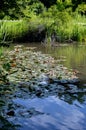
pixel 14 8
pixel 33 20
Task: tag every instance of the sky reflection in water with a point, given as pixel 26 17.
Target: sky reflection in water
pixel 53 113
pixel 56 114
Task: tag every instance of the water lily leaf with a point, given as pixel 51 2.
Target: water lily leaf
pixel 7 66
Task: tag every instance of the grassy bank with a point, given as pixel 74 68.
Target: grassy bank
pixel 11 30
pixel 38 27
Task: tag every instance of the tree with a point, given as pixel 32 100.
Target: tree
pixel 76 3
pixel 9 8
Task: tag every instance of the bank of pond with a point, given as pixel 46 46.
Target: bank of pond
pixel 43 29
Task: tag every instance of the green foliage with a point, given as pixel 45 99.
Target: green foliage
pixel 10 30
pixel 60 6
pixel 62 23
pixel 9 9
pixel 34 16
pixel 76 3
pixel 73 29
pixel 17 9
pixel 36 8
pixel 6 66
pixel 81 9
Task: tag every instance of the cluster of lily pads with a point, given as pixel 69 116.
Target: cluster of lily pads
pixel 24 64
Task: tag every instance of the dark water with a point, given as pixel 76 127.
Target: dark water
pixel 56 112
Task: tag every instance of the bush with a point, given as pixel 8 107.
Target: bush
pixel 81 9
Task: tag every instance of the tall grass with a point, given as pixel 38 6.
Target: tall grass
pixel 74 29
pixel 66 27
pixel 10 30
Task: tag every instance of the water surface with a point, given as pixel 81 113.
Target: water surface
pixel 59 111
pixel 74 56
pixel 51 113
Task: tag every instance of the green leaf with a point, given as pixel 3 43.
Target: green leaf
pixel 7 66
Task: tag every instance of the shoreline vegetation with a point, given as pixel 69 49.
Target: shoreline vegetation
pixel 26 73
pixel 39 31
pixel 54 21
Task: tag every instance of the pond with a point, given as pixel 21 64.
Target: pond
pixel 72 56
pixel 58 108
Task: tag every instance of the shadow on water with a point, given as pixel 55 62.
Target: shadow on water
pixel 52 104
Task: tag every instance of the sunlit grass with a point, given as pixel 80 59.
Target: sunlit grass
pixel 10 30
pixel 74 28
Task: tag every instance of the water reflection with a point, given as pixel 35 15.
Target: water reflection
pixel 62 111
pixel 72 56
pixel 71 98
pixel 58 115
